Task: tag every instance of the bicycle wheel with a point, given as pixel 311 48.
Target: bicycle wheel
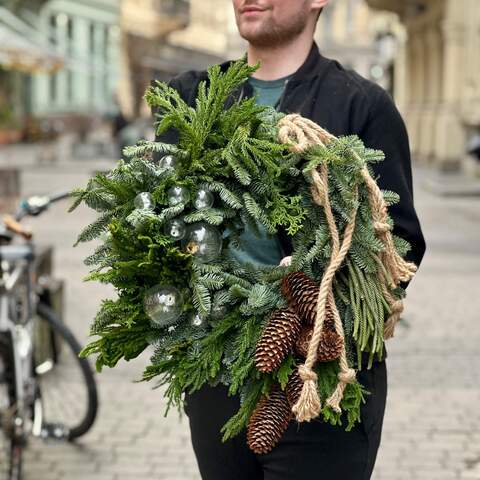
pixel 11 447
pixel 67 391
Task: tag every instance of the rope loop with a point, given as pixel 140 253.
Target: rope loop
pixel 307 373
pixel 382 227
pixel 397 307
pixel 348 376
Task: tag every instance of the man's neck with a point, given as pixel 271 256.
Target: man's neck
pixel 281 61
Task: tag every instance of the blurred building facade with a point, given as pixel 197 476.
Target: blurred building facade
pixel 211 30
pixel 162 38
pixel 145 26
pixel 440 70
pixel 87 34
pixel 361 38
pixel 22 53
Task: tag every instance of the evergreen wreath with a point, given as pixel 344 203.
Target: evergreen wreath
pixel 282 337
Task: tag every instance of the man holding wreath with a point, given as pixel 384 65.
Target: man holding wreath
pixel 294 77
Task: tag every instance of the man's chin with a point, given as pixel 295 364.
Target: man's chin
pixel 255 35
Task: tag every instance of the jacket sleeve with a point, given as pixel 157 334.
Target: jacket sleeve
pixel 385 130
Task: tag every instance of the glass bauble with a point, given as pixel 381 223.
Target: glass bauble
pixel 168 162
pixel 203 241
pixel 176 228
pixel 178 194
pixel 203 199
pixel 163 304
pixel 197 320
pixel 143 201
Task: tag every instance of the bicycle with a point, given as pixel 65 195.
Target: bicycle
pixel 29 381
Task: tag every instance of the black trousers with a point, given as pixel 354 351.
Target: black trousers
pixel 311 450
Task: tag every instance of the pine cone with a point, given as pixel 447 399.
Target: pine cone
pixel 329 348
pixel 294 387
pixel 269 421
pixel 277 339
pixel 302 295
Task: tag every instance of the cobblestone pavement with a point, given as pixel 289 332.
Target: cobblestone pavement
pixel 432 424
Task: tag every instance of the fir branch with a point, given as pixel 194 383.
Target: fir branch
pixel 257 213
pixel 230 198
pixel 212 216
pixel 146 147
pixel 117 342
pixel 95 229
pixel 251 396
pixel 201 296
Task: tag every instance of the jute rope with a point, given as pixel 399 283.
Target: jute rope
pixel 301 133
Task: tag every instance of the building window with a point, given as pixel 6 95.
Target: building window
pixel 52 29
pixel 106 42
pixel 70 34
pixel 69 75
pixel 53 88
pixel 92 39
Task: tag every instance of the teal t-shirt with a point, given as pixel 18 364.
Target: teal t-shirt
pixel 268 92
pixel 265 249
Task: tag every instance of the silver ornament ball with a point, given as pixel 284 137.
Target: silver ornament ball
pixel 178 194
pixel 203 241
pixel 203 199
pixel 143 201
pixel 197 320
pixel 168 162
pixel 176 229
pixel 163 304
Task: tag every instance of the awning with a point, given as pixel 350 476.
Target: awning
pixel 20 48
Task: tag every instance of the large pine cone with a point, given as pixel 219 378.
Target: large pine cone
pixel 294 387
pixel 302 295
pixel 269 421
pixel 329 348
pixel 277 339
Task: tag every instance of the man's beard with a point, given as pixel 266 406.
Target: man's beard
pixel 270 34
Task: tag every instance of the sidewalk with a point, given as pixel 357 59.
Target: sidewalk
pixel 432 424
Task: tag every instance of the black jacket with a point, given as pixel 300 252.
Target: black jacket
pixel 344 103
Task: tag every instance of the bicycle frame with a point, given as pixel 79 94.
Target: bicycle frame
pixel 23 292
pixel 19 323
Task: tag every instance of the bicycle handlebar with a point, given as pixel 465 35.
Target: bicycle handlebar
pixel 33 206
pixel 59 196
pixel 36 205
